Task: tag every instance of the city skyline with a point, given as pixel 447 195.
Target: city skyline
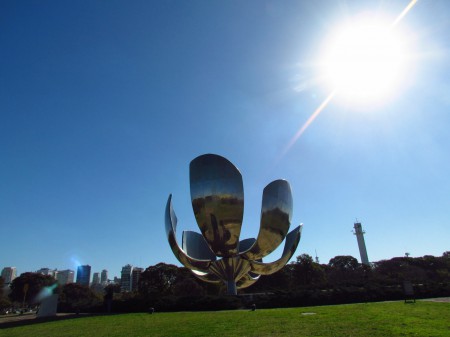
pixel 103 106
pixel 129 280
pixel 103 275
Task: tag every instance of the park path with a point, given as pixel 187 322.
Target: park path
pixel 438 299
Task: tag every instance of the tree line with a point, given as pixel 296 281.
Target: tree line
pixel 303 282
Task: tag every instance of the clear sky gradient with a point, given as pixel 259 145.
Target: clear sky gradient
pixel 103 104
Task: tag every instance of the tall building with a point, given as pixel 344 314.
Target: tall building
pixel 361 243
pixel 126 278
pixel 104 277
pixel 84 274
pixel 48 271
pixel 96 278
pixel 9 274
pixel 65 276
pixel 135 276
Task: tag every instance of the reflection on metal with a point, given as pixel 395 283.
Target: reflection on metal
pixel 292 240
pixel 217 196
pixel 276 213
pixel 187 261
pixel 195 246
pixel 211 278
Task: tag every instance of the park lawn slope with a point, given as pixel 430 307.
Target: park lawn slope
pixel 369 319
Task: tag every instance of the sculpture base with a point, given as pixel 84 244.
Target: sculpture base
pixel 231 288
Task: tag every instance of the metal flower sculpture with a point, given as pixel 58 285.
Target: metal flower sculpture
pixel 217 255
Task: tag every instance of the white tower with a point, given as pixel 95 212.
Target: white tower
pixel 361 244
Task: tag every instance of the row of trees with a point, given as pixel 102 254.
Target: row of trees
pixel 170 287
pixel 346 271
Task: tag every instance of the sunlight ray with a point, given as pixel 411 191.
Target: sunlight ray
pixel 404 12
pixel 327 100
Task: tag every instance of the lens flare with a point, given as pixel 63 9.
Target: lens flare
pixel 75 261
pixel 45 292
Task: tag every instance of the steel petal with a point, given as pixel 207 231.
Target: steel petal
pixel 247 280
pixel 276 214
pixel 195 246
pixel 292 240
pixel 171 224
pixel 245 244
pixel 207 277
pixel 217 195
pixel 232 268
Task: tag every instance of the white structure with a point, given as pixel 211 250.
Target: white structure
pixel 361 243
pixel 48 306
pixel 126 278
pixel 9 274
pixel 48 271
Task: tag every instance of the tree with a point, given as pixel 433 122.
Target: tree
pixel 78 297
pixel 344 269
pixel 279 281
pixel 186 284
pixel 306 271
pixel 344 263
pixel 158 280
pixel 27 286
pixel 188 287
pixel 303 269
pixel 305 260
pixel 4 302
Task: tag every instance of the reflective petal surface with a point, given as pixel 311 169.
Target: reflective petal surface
pixel 195 246
pixel 247 280
pixel 207 277
pixel 245 244
pixel 217 195
pixel 230 268
pixel 171 224
pixel 292 240
pixel 276 214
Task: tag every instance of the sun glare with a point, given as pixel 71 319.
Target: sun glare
pixel 364 61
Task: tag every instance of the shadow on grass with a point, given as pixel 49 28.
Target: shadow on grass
pixel 37 320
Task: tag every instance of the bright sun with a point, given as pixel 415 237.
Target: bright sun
pixel 365 61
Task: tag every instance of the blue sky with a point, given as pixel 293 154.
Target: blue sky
pixel 103 104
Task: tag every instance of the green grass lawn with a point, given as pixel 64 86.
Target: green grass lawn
pixel 372 319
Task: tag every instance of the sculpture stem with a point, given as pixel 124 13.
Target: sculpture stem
pixel 231 287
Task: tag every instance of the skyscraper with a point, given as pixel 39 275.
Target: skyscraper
pixel 65 276
pixel 9 274
pixel 84 274
pixel 126 278
pixel 135 276
pixel 104 277
pixel 96 278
